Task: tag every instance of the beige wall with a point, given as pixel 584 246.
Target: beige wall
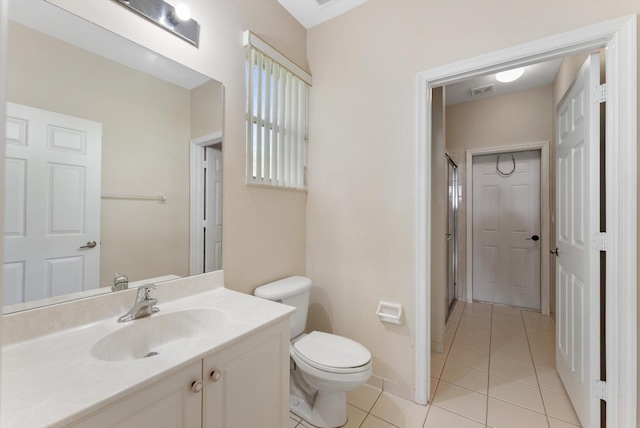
pixel 264 229
pixel 360 215
pixel 516 118
pixel 144 147
pixel 207 109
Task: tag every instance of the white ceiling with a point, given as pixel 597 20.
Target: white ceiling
pixel 310 12
pixel 534 76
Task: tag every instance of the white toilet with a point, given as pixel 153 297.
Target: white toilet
pixel 323 366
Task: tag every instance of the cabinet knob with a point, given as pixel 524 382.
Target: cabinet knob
pixel 196 386
pixel 215 376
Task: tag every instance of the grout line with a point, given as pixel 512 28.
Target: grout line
pixel 429 407
pixel 523 407
pixel 535 371
pixel 440 380
pixel 372 406
pixel 486 418
pixel 378 417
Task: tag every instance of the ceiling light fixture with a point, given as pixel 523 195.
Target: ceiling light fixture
pixel 176 20
pixel 509 75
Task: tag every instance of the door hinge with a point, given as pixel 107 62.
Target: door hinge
pixel 599 242
pixel 599 389
pixel 599 94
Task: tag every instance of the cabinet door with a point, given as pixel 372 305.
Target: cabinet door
pixel 249 387
pixel 167 403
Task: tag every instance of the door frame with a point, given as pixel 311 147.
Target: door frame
pixel 196 199
pixel 543 146
pixel 619 36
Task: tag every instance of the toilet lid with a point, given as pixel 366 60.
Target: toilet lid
pixel 331 351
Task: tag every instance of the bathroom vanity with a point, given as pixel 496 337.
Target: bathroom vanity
pixel 211 357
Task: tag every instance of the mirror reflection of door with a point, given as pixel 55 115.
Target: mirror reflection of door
pixel 452 233
pixel 52 210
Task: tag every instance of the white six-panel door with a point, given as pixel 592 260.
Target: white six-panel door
pixel 506 215
pixel 52 206
pixel 578 223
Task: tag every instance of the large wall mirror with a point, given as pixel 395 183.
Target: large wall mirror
pixel 100 146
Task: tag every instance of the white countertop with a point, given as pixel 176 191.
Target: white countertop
pixel 54 380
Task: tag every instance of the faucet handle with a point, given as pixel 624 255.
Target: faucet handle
pixel 120 282
pixel 144 291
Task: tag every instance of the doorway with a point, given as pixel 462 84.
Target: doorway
pixel 205 246
pixel 619 37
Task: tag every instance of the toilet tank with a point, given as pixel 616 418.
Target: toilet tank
pixel 293 291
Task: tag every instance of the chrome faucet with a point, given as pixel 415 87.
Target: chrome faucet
pixel 144 305
pixel 120 282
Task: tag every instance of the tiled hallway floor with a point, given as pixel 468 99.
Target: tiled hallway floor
pixel 497 370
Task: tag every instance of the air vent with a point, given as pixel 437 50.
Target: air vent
pixel 321 2
pixel 483 90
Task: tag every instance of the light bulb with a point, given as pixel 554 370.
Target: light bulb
pixel 509 75
pixel 182 12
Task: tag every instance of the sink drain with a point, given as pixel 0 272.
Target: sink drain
pixel 150 354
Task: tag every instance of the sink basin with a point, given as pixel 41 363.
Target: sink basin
pixel 157 334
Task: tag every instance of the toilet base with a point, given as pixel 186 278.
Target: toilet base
pixel 329 410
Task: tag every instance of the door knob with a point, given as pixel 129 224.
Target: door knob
pixel 533 238
pixel 90 244
pixel 555 251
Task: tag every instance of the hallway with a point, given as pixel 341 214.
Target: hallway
pixel 499 368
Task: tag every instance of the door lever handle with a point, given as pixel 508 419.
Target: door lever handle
pixel 555 251
pixel 90 244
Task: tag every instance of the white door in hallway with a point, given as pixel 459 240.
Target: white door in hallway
pixel 506 228
pixel 578 223
pixel 52 204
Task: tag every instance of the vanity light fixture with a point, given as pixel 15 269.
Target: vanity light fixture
pixel 510 75
pixel 182 12
pixel 176 20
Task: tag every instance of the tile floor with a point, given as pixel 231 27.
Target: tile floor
pixel 497 371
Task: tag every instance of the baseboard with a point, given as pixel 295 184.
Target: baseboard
pixel 376 381
pixel 392 387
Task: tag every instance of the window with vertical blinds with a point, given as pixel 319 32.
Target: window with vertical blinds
pixel 277 116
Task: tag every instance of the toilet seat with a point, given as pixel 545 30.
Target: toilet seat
pixel 332 353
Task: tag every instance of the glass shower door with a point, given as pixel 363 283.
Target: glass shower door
pixel 452 234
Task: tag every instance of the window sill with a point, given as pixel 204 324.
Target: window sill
pixel 271 186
